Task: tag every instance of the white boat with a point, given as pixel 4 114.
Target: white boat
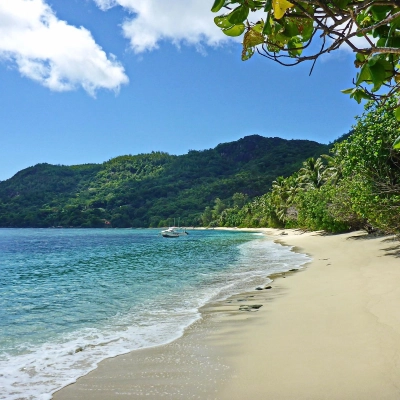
pixel 174 232
pixel 170 233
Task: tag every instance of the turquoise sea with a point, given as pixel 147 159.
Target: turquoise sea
pixel 70 298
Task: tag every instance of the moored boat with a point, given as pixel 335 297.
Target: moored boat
pixel 170 233
pixel 174 232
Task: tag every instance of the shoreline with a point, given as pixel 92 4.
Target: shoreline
pixel 296 346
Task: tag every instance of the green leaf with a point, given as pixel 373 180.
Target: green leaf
pixel 222 22
pixel 348 91
pixel 308 28
pixel 295 47
pixel 267 26
pixel 258 27
pixel 359 94
pixel 278 28
pixel 291 27
pixel 255 4
pixel 258 4
pixel 396 144
pixel 268 6
pixel 393 42
pixel 218 4
pixel 397 113
pixel 378 75
pixel 364 75
pixel 396 22
pixel 380 31
pixel 341 3
pixel 360 57
pixel 373 60
pixel 379 12
pixel 381 42
pixel 235 30
pixel 238 15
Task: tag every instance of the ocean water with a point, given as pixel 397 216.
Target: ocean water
pixel 70 298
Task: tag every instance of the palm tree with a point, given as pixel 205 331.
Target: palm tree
pixel 312 175
pixel 334 170
pixel 282 193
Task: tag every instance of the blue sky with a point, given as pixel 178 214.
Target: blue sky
pixel 83 81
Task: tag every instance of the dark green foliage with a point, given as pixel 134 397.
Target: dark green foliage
pixel 357 186
pixel 34 195
pixel 371 168
pixel 314 211
pixel 149 189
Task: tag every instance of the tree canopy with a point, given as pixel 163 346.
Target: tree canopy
pixel 356 186
pixel 148 189
pixel 297 31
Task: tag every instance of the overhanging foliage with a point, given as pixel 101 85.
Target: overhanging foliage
pixel 293 32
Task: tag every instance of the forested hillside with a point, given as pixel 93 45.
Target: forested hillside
pixel 148 190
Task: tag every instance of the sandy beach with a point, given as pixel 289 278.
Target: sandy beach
pixel 328 331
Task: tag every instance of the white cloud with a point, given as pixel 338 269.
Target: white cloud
pixel 178 21
pixel 57 55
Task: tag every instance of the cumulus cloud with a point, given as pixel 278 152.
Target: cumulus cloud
pixel 178 21
pixel 57 55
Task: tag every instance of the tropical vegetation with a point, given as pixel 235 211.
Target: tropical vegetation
pixel 356 186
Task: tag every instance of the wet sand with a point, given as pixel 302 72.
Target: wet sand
pixel 329 331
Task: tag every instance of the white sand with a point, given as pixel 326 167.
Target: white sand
pixel 331 331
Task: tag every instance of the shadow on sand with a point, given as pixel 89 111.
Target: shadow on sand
pixel 394 241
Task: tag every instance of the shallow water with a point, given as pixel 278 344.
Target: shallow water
pixel 72 297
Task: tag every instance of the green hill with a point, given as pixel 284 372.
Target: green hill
pixel 147 189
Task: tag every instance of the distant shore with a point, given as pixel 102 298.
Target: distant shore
pixel 329 331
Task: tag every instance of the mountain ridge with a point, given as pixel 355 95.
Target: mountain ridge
pixel 146 189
